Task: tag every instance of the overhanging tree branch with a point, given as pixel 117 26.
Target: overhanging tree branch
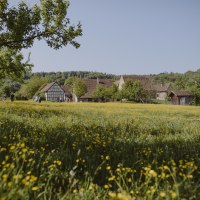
pixel 20 26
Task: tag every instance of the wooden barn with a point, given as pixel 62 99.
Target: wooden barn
pixel 181 97
pixel 53 92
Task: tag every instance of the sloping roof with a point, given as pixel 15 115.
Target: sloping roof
pixel 91 85
pixel 145 82
pixel 162 87
pixel 67 90
pixel 47 87
pixel 181 93
pixel 105 82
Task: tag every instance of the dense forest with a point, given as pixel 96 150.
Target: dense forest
pixel 178 80
pixel 60 77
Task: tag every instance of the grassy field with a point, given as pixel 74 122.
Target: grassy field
pixel 99 151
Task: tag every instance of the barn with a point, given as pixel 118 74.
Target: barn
pixel 181 97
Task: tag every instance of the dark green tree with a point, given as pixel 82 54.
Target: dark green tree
pixel 79 87
pixel 194 87
pixel 9 86
pixel 70 81
pixel 100 92
pixel 31 87
pixel 113 91
pixel 180 83
pixel 20 26
pixel 133 91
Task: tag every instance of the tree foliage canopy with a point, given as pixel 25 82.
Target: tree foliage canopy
pixel 103 92
pixel 31 87
pixel 20 26
pixel 100 92
pixel 70 81
pixel 132 90
pixel 8 87
pixel 11 63
pixel 79 87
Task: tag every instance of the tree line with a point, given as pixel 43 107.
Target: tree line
pixel 132 90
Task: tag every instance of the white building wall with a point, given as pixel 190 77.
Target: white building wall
pixel 120 83
pixel 161 95
pixel 74 98
pixel 55 93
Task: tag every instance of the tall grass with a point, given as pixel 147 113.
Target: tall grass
pixel 102 151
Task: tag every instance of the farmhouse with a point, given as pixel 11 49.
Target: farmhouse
pixel 162 91
pixel 53 92
pixel 145 82
pixel 91 85
pixel 181 97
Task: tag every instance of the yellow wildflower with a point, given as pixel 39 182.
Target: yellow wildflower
pixel 35 188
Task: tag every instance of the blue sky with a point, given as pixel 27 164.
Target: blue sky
pixel 128 37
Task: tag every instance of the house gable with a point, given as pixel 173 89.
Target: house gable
pixel 162 87
pixel 162 91
pixel 53 92
pixel 145 82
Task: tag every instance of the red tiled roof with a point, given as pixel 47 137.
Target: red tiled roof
pixel 145 82
pixel 91 85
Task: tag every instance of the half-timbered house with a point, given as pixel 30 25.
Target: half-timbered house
pixel 53 92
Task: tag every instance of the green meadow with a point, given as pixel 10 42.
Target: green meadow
pixel 99 151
